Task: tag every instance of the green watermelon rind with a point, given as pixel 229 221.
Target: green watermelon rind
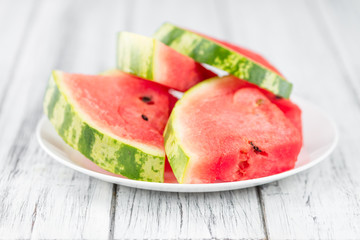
pixel 128 159
pixel 209 52
pixel 178 156
pixel 135 54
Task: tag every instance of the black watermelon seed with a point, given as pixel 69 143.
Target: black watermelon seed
pixel 278 97
pixel 144 117
pixel 256 148
pixel 145 99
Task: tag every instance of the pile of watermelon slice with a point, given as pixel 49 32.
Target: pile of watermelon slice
pixel 127 121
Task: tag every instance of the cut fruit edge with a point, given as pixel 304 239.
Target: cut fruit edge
pixel 198 47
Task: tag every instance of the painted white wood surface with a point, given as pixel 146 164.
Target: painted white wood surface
pixel 39 198
pixel 314 43
pixel 322 203
pixel 342 22
pixel 169 215
pixel 12 37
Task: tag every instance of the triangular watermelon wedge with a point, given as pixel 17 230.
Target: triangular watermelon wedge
pixel 115 121
pixel 221 130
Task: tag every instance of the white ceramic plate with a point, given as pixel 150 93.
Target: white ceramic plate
pixel 320 139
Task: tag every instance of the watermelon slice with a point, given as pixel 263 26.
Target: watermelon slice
pixel 290 109
pixel 245 52
pixel 115 121
pixel 205 50
pixel 153 60
pixel 221 130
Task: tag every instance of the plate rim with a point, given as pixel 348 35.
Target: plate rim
pixel 209 187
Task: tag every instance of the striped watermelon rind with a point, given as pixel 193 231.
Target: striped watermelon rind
pixel 130 159
pixel 135 54
pixel 209 52
pixel 177 155
pixel 150 59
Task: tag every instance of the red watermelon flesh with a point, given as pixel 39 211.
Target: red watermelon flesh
pixel 178 71
pixel 290 109
pixel 124 105
pixel 233 133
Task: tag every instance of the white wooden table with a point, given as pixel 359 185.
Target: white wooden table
pixel 316 44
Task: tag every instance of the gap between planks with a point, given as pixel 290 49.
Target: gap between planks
pixel 18 53
pixel 112 211
pixel 128 25
pixel 223 13
pixel 25 131
pixel 262 211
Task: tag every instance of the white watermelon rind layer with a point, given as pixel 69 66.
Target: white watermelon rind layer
pixel 117 155
pixel 177 154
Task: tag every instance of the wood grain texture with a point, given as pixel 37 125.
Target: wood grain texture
pixel 12 38
pixel 40 198
pixel 11 41
pixel 144 214
pixel 313 43
pixel 11 45
pixel 322 203
pixel 340 24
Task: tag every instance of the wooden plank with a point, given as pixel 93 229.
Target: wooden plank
pixel 145 214
pixel 39 197
pixel 54 201
pixel 13 28
pixel 339 21
pixel 226 215
pixel 14 31
pixel 322 203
